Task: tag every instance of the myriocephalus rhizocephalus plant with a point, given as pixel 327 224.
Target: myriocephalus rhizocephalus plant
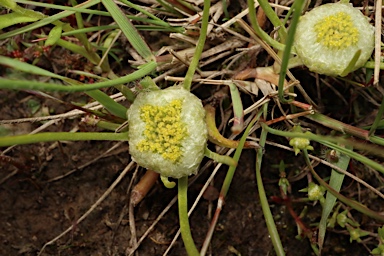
pixel 167 131
pixel 331 36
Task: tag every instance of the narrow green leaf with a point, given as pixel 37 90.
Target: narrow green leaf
pixel 199 48
pixel 378 121
pixel 298 7
pixel 129 30
pixel 9 4
pixel 26 67
pixel 258 30
pixel 40 86
pixel 54 35
pixel 113 107
pixel 274 18
pixel 79 50
pixel 348 201
pixel 272 229
pixel 63 8
pixel 102 98
pixel 335 182
pixel 54 19
pixel 238 112
pixel 13 18
pixel 352 63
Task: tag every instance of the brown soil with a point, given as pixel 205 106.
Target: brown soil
pixel 34 209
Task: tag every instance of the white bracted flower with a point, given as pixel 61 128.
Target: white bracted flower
pixel 328 37
pixel 167 131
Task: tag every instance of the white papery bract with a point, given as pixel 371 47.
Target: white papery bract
pixel 328 37
pixel 167 131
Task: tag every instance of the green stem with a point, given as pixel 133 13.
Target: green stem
pixel 379 115
pixel 115 108
pixel 298 6
pixel 183 217
pixel 220 158
pixel 40 86
pixel 199 47
pixel 371 65
pixel 231 171
pixel 60 136
pixel 259 32
pixel 167 183
pixel 238 112
pixel 272 16
pixel 345 128
pixel 272 230
pixel 329 142
pixel 214 135
pixel 352 203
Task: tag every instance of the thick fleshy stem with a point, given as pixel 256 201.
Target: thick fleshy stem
pixel 298 6
pixel 220 158
pixel 272 230
pixel 215 136
pixel 60 136
pixel 166 182
pixel 199 47
pixel 183 217
pixel 261 33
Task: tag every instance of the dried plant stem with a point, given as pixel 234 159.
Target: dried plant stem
pixel 142 188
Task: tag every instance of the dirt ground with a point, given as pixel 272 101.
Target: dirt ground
pixel 35 207
pixel 35 210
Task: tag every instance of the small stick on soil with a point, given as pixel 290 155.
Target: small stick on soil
pixel 104 154
pixel 142 188
pixel 93 207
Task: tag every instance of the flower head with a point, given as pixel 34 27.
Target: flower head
pixel 167 131
pixel 328 37
pixel 315 192
pixel 299 144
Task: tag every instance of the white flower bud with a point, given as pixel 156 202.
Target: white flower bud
pixel 328 37
pixel 167 131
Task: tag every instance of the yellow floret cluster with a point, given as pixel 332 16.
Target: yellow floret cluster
pixel 164 130
pixel 337 31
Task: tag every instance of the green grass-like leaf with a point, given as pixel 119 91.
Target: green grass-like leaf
pixel 335 182
pixel 129 30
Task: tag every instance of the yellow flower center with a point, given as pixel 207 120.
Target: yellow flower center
pixel 336 31
pixel 164 130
